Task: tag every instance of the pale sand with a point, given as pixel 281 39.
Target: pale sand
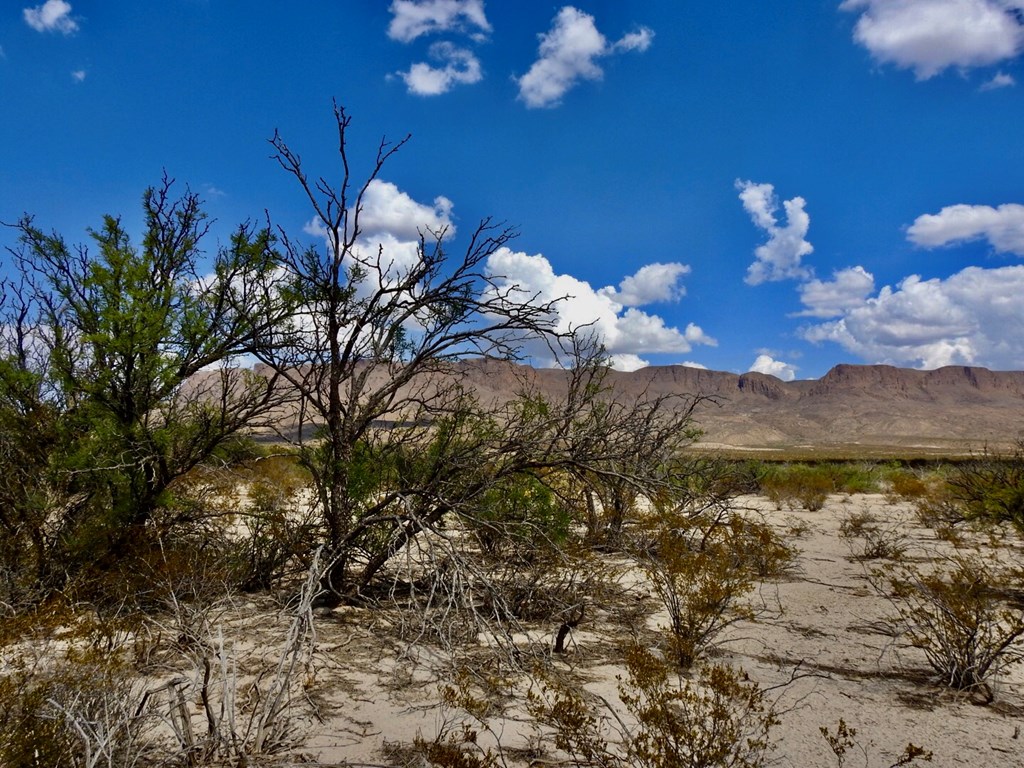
pixel 821 621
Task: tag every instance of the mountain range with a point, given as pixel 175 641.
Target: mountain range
pixel 852 408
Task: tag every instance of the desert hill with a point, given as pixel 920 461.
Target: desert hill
pixel 948 410
pixel 853 409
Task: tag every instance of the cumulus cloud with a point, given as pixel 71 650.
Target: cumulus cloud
pixel 458 66
pixel 999 80
pixel 779 258
pixel 929 36
pixel 78 75
pixel 974 317
pixel 411 19
pixel 51 16
pixel 626 332
pixel 387 209
pixel 1003 227
pixel 653 283
pixel 391 221
pixel 568 53
pixel 847 289
pixel 769 365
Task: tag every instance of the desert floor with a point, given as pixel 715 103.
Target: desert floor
pixel 819 644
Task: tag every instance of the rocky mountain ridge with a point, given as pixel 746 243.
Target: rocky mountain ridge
pixel 952 409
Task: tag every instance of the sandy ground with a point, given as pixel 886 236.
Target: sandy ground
pixel 820 625
pixel 818 646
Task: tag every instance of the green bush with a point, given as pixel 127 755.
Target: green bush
pixel 519 517
pixel 990 487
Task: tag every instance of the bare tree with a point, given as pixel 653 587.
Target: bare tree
pixel 375 338
pixel 379 350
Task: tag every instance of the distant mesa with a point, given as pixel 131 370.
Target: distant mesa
pixel 852 408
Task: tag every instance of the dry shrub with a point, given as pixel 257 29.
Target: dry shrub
pixel 906 485
pixel 700 575
pixel 466 705
pixel 958 615
pixel 69 696
pixel 718 720
pixel 869 539
pixel 71 693
pixel 937 509
pixel 280 530
pixel 758 547
pixel 844 740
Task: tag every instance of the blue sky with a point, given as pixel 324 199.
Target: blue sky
pixel 743 186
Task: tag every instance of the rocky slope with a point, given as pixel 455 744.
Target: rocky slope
pixel 853 408
pixel 951 409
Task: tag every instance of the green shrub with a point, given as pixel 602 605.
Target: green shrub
pixel 990 487
pixel 518 517
pixel 798 485
pixel 904 484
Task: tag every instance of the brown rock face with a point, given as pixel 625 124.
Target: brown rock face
pixel 951 409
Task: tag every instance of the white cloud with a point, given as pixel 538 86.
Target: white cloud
pixel 413 18
pixel 459 66
pixel 391 221
pixel 929 36
pixel 650 284
pixel 974 317
pixel 627 362
pixel 779 258
pixel 626 332
pixel 568 54
pixel 635 41
pixel 1003 227
pixel 767 364
pixel 999 80
pixel 386 209
pixel 78 75
pixel 847 289
pixel 51 16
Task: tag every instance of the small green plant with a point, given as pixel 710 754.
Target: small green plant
pixel 845 739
